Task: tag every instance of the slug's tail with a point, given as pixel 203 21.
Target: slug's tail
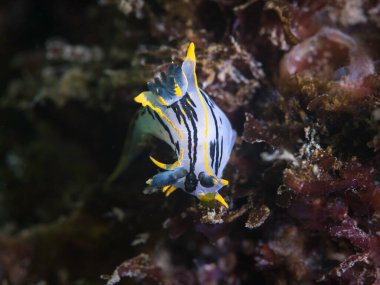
pixel 133 145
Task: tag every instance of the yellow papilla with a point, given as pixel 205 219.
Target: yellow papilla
pixel 170 190
pixel 168 166
pixel 221 200
pixel 191 52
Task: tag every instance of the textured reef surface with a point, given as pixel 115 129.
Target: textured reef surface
pixel 300 83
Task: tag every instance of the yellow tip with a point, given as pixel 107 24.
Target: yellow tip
pixel 165 188
pixel 170 190
pixel 224 182
pixel 191 52
pixel 177 90
pixel 159 164
pixel 221 200
pixel 140 98
pixel 149 181
pixel 162 101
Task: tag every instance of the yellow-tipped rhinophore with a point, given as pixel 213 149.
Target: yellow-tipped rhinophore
pixel 191 52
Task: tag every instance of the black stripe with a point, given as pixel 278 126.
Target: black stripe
pixel 187 107
pixel 188 137
pixel 212 153
pixel 191 101
pixel 166 128
pixel 190 115
pixel 150 112
pixel 221 153
pixel 176 111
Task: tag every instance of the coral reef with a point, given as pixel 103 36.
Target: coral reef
pixel 299 81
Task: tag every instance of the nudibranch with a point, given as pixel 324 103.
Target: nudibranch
pixel 176 111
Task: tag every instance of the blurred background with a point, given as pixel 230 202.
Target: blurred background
pixel 299 81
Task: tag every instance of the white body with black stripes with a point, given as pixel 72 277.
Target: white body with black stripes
pixel 178 112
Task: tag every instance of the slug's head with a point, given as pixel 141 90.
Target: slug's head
pixel 170 86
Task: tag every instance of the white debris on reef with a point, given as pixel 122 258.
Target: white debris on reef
pixel 60 50
pixel 140 239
